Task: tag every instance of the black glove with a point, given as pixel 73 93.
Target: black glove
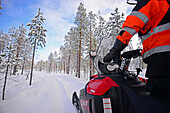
pixel 114 53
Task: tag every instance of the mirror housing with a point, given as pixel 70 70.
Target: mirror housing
pixel 93 54
pixel 131 2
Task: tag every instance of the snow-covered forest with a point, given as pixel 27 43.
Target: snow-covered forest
pixel 46 86
pixel 91 31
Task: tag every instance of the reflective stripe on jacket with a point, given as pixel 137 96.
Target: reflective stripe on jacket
pixel 151 19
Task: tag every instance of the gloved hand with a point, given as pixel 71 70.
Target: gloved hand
pixel 114 53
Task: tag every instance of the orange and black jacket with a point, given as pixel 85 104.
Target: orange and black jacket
pixel 151 19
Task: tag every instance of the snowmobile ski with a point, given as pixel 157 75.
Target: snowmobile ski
pixel 76 102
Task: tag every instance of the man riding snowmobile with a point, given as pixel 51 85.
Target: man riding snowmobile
pixel 151 20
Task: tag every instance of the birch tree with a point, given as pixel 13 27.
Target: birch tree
pixel 37 36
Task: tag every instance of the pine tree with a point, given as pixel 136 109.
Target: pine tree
pixel 37 36
pixel 14 34
pixel 2 41
pixel 115 23
pixel 71 43
pixel 20 41
pixel 91 28
pixel 9 54
pixel 68 55
pixel 101 33
pixel 80 21
pixel 26 56
pixel 55 55
pixel 63 58
pixel 3 37
pixel 108 31
pixel 50 62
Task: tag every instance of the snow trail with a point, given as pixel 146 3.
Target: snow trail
pixel 49 93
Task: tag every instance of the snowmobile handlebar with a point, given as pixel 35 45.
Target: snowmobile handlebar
pixel 112 67
pixel 132 54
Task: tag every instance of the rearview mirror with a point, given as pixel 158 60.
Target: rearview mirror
pixel 93 54
pixel 132 2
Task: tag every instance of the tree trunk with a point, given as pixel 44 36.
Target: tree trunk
pixel 56 67
pixel 60 66
pixel 90 50
pixel 50 68
pixel 5 81
pixel 68 65
pixel 32 62
pixel 40 66
pixel 64 65
pixel 79 56
pixel 22 72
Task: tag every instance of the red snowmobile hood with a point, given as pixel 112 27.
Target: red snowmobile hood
pixel 100 85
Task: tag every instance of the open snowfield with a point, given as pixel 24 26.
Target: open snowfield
pixel 49 93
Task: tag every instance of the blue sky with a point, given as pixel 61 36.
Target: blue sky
pixel 59 14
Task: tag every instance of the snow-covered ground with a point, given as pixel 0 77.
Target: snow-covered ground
pixel 49 93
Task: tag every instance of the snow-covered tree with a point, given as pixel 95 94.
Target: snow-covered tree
pixel 2 41
pixel 37 35
pixel 3 37
pixel 40 65
pixel 9 55
pixel 26 57
pixel 81 22
pixel 3 53
pixel 71 44
pixel 13 36
pixel 108 31
pixel 19 44
pixel 51 62
pixel 91 43
pixel 63 55
pixel 115 23
pixel 55 56
pixel 68 55
pixel 101 33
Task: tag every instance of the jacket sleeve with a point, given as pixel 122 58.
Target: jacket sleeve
pixel 136 21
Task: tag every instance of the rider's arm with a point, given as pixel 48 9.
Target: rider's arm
pixel 137 20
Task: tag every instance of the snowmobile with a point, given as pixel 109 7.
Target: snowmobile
pixel 116 90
